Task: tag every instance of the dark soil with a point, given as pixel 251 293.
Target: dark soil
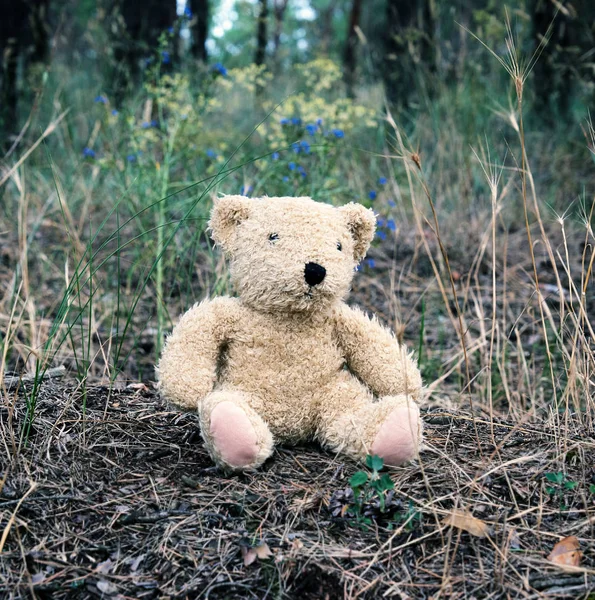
pixel 126 504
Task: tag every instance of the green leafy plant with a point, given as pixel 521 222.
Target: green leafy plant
pixel 559 485
pixel 409 518
pixel 370 487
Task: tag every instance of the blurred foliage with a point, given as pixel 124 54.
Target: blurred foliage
pixel 429 49
pixel 141 143
pixel 310 131
pixel 300 140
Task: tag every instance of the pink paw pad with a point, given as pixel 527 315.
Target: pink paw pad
pixel 397 440
pixel 233 435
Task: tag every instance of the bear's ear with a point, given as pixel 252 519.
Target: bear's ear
pixel 228 212
pixel 361 222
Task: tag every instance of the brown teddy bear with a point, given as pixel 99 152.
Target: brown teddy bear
pixel 288 360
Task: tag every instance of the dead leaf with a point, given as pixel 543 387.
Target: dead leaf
pixel 513 541
pixel 296 546
pixel 463 519
pixel 136 562
pixel 106 587
pixel 249 555
pixel 105 567
pixel 37 578
pixel 566 552
pixel 261 552
pixel 137 387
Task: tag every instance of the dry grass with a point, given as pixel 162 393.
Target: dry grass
pixel 122 501
pixel 120 498
pixel 106 492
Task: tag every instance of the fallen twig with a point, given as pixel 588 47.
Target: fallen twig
pixel 12 381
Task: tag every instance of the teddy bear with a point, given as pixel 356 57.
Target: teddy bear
pixel 287 360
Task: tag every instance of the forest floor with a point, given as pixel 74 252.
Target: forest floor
pixel 126 504
pixel 114 496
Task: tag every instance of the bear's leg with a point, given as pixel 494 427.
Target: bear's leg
pixel 353 423
pixel 235 435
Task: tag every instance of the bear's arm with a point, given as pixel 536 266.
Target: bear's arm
pixel 187 370
pixel 373 354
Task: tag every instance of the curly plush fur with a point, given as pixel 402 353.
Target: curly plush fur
pixel 288 360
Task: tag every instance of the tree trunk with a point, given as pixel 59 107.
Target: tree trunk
pixel 279 8
pixel 261 33
pixel 326 20
pixel 350 60
pixel 24 33
pixel 409 47
pixel 40 29
pixel 551 75
pixel 200 28
pixel 136 36
pixel 8 97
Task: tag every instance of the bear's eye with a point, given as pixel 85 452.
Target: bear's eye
pixel 339 246
pixel 273 237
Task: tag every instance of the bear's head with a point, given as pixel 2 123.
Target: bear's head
pixel 291 254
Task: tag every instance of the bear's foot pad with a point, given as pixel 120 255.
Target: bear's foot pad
pixel 234 436
pixel 397 440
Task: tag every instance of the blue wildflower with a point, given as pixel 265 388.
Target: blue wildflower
pixel 319 122
pixel 170 30
pixel 245 191
pixel 382 181
pixel 275 156
pixel 284 121
pixel 292 166
pixel 370 262
pixel 372 194
pixel 148 61
pixel 380 222
pixel 115 112
pixel 392 203
pixel 211 153
pixel 188 12
pixel 131 158
pixel 305 146
pixel 296 147
pixel 88 153
pixel 338 133
pixel 285 178
pixel 381 234
pixel 165 57
pixel 101 100
pixel 391 224
pixel 302 171
pixel 154 123
pixel 146 125
pixel 311 129
pixel 296 121
pixel 219 68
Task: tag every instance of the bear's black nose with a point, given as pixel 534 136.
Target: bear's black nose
pixel 314 273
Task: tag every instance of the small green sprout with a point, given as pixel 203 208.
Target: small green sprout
pixel 370 498
pixel 411 518
pixel 559 485
pixel 370 487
